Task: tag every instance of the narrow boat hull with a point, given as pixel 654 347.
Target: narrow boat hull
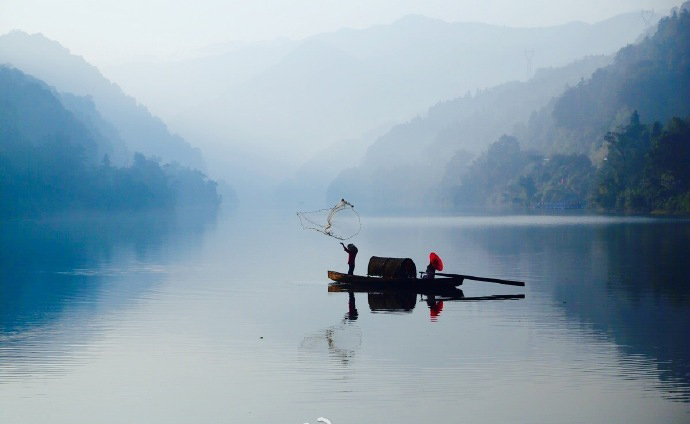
pixel 419 285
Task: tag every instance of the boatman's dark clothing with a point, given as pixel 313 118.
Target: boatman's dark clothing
pixel 351 254
pixel 430 272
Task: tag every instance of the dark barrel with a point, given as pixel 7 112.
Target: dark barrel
pixel 392 267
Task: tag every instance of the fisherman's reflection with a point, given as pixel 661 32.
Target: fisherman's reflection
pixel 352 313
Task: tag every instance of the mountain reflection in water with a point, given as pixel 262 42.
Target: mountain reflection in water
pixel 629 280
pixel 56 272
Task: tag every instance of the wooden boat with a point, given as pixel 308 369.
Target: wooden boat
pixel 401 274
pixel 441 280
pixel 419 285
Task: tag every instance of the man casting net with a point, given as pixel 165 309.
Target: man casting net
pixel 341 221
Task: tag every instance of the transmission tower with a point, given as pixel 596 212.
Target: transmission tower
pixel 529 54
pixel 647 16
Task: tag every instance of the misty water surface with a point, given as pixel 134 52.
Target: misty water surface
pixel 228 319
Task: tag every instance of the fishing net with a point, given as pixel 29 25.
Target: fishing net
pixel 341 221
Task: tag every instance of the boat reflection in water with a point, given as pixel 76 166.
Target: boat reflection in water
pixel 404 300
pixel 392 301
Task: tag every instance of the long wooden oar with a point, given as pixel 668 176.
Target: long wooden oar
pixel 478 298
pixel 488 280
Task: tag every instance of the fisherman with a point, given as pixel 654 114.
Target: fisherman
pixel 430 272
pixel 435 264
pixel 351 250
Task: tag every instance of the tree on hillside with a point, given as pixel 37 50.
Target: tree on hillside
pixel 490 171
pixel 562 181
pixel 666 178
pixel 646 168
pixel 620 174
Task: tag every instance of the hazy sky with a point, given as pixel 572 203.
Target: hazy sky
pixel 107 30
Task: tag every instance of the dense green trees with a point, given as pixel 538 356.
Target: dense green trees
pixel 667 174
pixel 646 168
pixel 507 176
pixel 621 171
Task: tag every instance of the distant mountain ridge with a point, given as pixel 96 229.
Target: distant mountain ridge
pixel 389 73
pixel 412 166
pixel 139 129
pixel 291 99
pixel 403 168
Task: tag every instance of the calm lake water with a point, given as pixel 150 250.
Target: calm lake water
pixel 229 320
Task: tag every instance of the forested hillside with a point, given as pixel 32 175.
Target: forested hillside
pixel 404 169
pixel 616 141
pixel 53 159
pixel 52 63
pixel 651 77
